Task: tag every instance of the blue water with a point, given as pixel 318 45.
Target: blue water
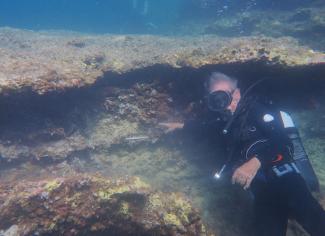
pixel 104 16
pixel 125 16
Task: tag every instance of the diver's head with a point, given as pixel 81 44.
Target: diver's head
pixel 223 93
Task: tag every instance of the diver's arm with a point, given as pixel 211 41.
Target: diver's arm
pixel 195 128
pixel 171 126
pixel 245 174
pixel 202 127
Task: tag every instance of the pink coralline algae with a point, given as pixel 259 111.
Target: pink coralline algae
pixel 85 205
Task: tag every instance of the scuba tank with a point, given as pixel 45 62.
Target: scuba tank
pixel 300 156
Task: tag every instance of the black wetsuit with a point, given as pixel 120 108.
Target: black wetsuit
pixel 258 131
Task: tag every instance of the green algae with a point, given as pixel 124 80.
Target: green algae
pixel 52 226
pixel 182 206
pixel 171 219
pixel 124 208
pixel 106 194
pixel 155 201
pixel 52 185
pixel 109 190
pixel 138 183
pixel 178 211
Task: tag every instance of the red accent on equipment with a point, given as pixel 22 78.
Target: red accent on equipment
pixel 279 157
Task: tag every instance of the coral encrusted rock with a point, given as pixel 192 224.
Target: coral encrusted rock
pixel 54 61
pixel 94 205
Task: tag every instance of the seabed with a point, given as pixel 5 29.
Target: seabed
pixel 80 145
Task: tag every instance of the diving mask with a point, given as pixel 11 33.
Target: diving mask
pixel 219 100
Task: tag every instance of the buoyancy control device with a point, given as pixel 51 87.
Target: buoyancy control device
pixel 300 156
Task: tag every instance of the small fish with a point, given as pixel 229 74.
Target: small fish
pixel 137 138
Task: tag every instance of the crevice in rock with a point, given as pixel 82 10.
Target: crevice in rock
pixel 30 120
pixel 85 130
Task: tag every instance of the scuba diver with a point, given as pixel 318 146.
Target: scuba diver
pixel 264 155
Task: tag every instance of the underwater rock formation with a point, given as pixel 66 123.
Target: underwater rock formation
pixel 93 205
pixel 115 126
pixel 118 116
pixel 44 61
pixel 304 24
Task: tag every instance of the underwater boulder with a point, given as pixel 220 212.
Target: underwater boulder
pixel 94 205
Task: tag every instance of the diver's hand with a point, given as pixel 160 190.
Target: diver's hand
pixel 245 174
pixel 171 126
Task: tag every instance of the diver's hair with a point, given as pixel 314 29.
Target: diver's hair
pixel 217 77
